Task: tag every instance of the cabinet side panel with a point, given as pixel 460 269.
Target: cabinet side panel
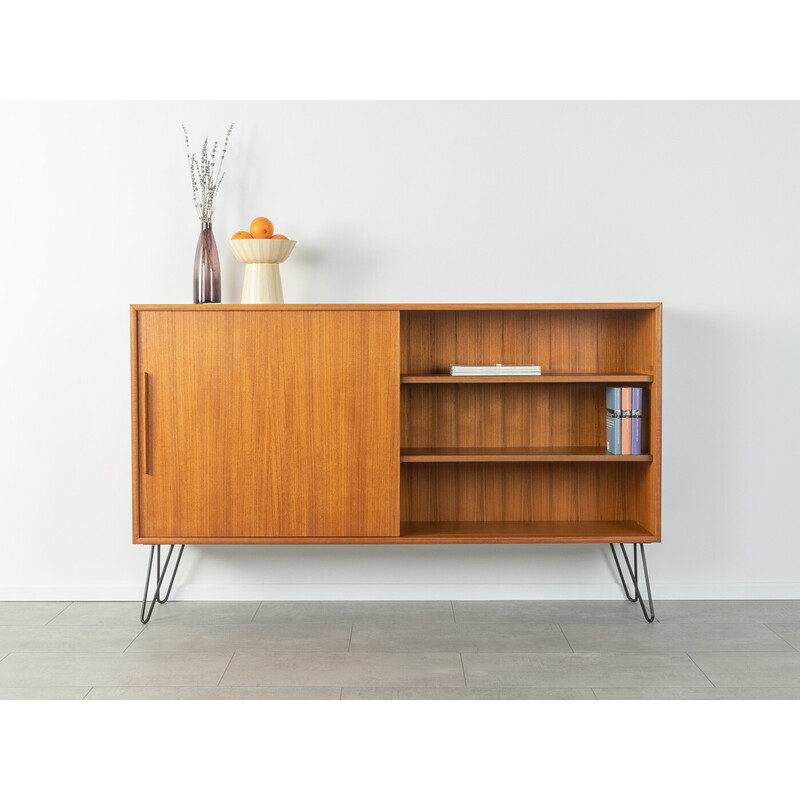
pixel 630 340
pixel 654 428
pixel 643 339
pixel 135 421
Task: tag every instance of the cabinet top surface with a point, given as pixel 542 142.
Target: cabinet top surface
pixel 206 308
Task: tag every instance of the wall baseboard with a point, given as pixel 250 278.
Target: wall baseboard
pixel 405 591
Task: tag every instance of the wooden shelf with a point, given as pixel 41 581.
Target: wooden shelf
pixel 550 377
pixel 475 454
pixel 542 532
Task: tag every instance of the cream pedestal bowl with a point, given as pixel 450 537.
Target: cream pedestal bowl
pixel 262 275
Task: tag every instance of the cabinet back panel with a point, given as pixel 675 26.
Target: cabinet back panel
pixel 522 492
pixel 503 415
pixel 558 341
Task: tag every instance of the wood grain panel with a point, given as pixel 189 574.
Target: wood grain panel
pixel 520 491
pixel 272 457
pixel 503 415
pixel 282 424
pixel 562 340
pixel 433 340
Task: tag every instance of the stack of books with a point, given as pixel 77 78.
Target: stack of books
pixel 497 369
pixel 624 420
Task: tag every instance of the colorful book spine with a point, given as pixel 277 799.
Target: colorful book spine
pixel 636 421
pixel 626 421
pixel 614 420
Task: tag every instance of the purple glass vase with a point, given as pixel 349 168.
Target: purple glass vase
pixel 206 268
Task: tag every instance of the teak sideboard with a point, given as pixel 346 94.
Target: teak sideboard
pixel 324 424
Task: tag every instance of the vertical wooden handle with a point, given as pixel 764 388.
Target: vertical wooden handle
pixel 146 423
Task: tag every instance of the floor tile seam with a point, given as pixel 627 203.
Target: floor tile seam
pixel 584 687
pixel 670 687
pixel 346 686
pixel 246 651
pixel 609 653
pixel 457 650
pixel 505 687
pixel 463 670
pixel 121 685
pixel 670 651
pixel 701 670
pixel 791 652
pixel 453 612
pixel 767 626
pixel 566 638
pixel 221 677
pixel 255 613
pixel 551 621
pixel 202 686
pixel 69 603
pixel 130 644
pixel 179 623
pixel 692 621
pixel 139 653
pixel 703 688
pixel 288 652
pixel 696 623
pixel 324 621
pixel 524 625
pixel 253 628
pixel 67 652
pixel 472 691
pixel 508 686
pixel 46 688
pixel 88 692
pixel 350 640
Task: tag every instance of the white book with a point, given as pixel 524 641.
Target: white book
pixel 496 372
pixel 497 369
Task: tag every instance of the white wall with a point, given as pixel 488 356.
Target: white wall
pixel 693 204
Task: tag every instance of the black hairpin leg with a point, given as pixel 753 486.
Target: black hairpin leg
pixel 160 575
pixel 634 573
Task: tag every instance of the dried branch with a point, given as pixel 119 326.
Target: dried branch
pixel 205 183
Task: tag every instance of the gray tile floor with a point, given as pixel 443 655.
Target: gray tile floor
pixel 496 650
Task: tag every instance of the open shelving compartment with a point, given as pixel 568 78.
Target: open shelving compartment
pixel 523 459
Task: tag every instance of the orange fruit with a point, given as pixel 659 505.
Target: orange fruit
pixel 241 235
pixel 278 236
pixel 261 228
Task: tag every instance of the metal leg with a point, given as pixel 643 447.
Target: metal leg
pixel 160 575
pixel 634 573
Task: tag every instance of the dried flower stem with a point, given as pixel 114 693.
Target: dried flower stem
pixel 205 182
